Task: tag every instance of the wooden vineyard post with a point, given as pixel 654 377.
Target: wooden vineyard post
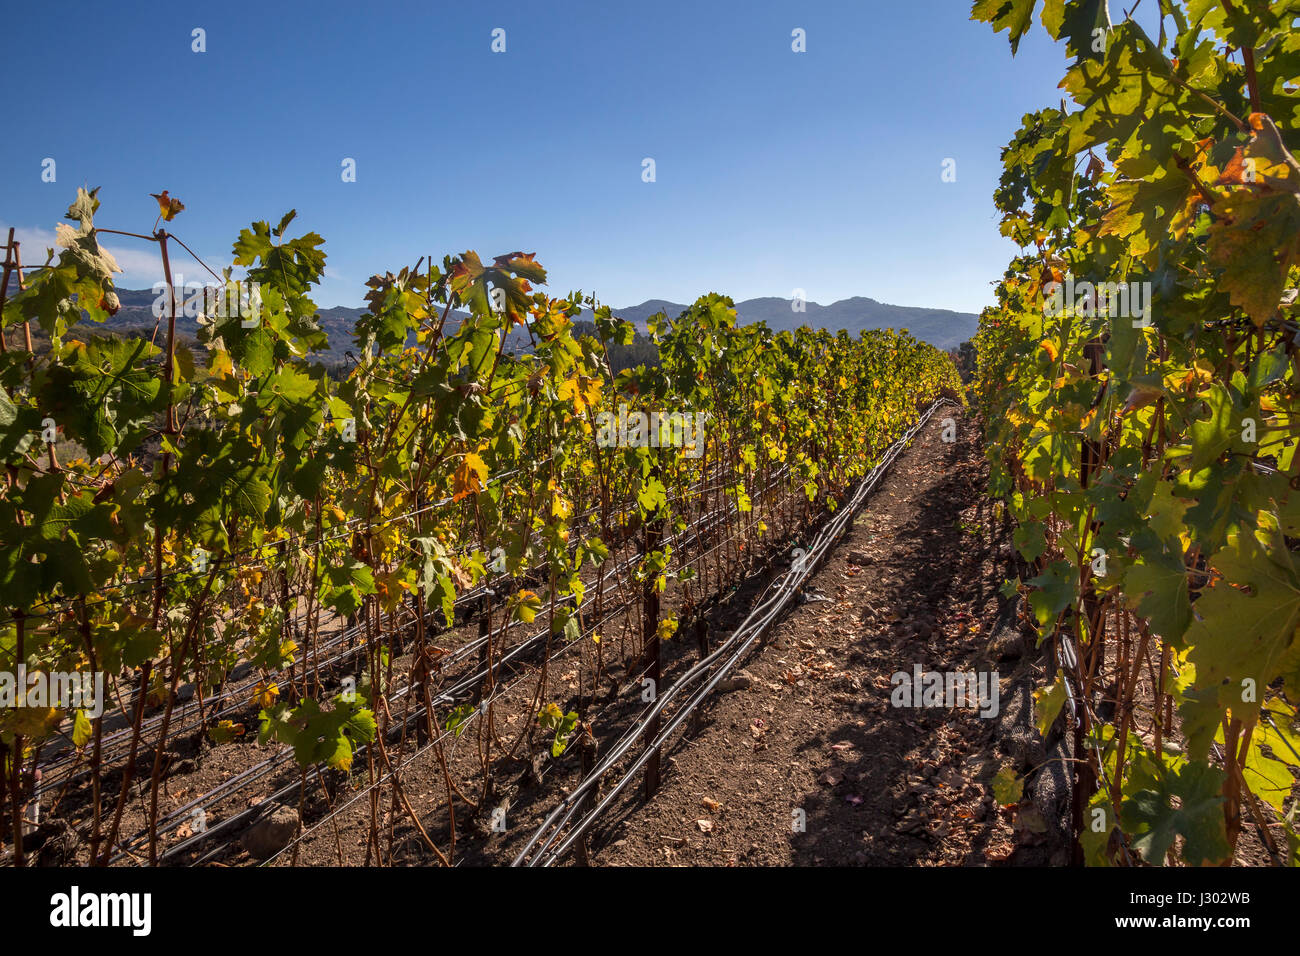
pixel 484 627
pixel 702 642
pixel 654 531
pixel 4 749
pixel 1087 660
pixel 4 283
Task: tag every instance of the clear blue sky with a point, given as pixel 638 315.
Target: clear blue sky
pixel 775 170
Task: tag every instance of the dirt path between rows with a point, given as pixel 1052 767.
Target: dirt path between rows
pixel 914 583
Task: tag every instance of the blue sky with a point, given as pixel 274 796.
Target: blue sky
pixel 775 170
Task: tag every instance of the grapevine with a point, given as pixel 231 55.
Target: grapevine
pixel 1138 378
pixel 223 532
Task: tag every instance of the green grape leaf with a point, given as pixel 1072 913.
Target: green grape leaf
pixel 1047 704
pixel 1148 812
pixel 1156 586
pixel 1053 590
pixel 1008 787
pixel 1014 16
pixel 1245 632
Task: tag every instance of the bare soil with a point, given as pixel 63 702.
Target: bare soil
pixel 915 582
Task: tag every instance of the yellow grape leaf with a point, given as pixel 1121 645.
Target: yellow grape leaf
pixel 264 694
pixel 1255 240
pixel 1201 373
pixel 527 605
pixel 82 729
pixel 341 759
pixel 1269 777
pixel 221 367
pixel 225 731
pixel 582 390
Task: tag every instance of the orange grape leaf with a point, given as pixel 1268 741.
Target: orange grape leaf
pixel 524 265
pixel 168 206
pixel 1255 240
pixel 471 475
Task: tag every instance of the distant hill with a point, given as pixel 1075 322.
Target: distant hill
pixel 940 327
pixel 137 312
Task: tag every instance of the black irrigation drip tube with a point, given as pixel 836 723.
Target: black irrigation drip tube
pixel 237 783
pixel 64 768
pixel 462 688
pixel 498 692
pixel 550 849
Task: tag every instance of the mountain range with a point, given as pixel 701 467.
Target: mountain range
pixel 940 327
